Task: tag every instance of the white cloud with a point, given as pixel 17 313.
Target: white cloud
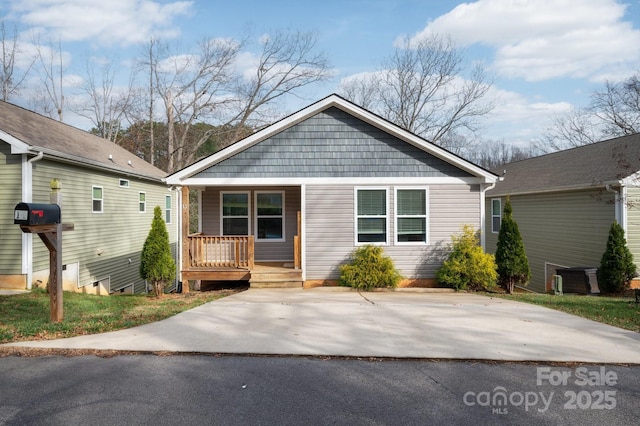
pixel 120 22
pixel 542 39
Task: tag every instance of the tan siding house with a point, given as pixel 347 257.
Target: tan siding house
pixel 565 202
pixel 303 193
pixel 108 194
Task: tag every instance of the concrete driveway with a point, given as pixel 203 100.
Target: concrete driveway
pixel 378 324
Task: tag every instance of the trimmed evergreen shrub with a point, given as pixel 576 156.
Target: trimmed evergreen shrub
pixel 616 265
pixel 368 269
pixel 468 266
pixel 511 258
pixel 156 263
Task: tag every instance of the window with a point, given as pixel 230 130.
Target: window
pixel 496 215
pixel 270 216
pixel 167 209
pixel 411 215
pixel 96 199
pixel 142 202
pixel 235 213
pixel 124 183
pixel 371 216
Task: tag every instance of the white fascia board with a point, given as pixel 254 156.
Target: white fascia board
pixel 203 182
pixel 17 146
pixel 333 100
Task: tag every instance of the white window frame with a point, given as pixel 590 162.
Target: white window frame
pixel 425 216
pixel 142 205
pixel 168 210
pixel 356 216
pixel 493 215
pixel 248 217
pixel 93 187
pixel 124 183
pixel 256 216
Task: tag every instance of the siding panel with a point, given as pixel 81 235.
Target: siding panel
pixel 10 195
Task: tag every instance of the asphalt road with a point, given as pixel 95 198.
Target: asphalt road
pixel 234 390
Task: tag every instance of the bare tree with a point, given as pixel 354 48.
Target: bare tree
pixel 51 69
pixel 421 88
pixel 12 77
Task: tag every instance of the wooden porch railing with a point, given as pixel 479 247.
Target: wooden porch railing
pixel 208 251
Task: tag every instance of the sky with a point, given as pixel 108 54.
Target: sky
pixel 544 57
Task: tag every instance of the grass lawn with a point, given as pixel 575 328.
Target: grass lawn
pixel 621 312
pixel 26 316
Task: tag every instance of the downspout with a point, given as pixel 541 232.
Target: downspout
pixel 178 215
pixel 619 196
pixel 27 197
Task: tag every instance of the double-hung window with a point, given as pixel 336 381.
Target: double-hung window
pixel 496 215
pixel 235 213
pixel 96 199
pixel 269 215
pixel 411 215
pixel 142 202
pixel 167 209
pixel 371 216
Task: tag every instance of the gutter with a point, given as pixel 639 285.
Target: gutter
pixel 38 157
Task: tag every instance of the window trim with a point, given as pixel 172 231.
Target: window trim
pixel 168 209
pixel 142 203
pixel 398 216
pixel 222 216
pixel 493 215
pixel 356 216
pixel 124 183
pixel 256 216
pixel 93 187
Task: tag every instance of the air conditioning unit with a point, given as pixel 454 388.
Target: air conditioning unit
pixel 557 284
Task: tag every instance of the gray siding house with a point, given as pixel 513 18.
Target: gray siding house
pixel 565 202
pixel 302 193
pixel 108 194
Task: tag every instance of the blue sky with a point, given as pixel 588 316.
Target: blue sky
pixel 545 56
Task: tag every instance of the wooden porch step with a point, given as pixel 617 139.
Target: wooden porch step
pixel 279 279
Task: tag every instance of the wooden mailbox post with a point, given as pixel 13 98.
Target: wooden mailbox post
pixel 44 220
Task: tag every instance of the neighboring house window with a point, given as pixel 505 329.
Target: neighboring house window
pixel 142 202
pixel 371 216
pixel 496 215
pixel 269 215
pixel 167 209
pixel 235 213
pixel 96 199
pixel 124 183
pixel 411 215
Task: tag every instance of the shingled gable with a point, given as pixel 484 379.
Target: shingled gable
pixel 189 175
pixel 589 166
pixel 30 133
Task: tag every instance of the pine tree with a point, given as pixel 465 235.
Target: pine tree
pixel 511 258
pixel 156 263
pixel 616 265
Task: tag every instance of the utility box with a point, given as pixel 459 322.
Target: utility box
pixel 580 280
pixel 36 214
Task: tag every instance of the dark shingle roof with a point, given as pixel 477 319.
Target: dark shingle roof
pixel 60 140
pixel 591 165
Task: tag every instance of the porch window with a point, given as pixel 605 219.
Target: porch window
pixel 269 215
pixel 411 216
pixel 96 199
pixel 496 215
pixel 371 216
pixel 235 213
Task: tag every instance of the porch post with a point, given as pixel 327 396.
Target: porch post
pixel 185 236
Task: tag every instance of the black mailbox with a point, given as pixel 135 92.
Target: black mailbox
pixel 36 214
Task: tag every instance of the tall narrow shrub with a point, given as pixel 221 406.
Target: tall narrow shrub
pixel 511 258
pixel 616 265
pixel 156 263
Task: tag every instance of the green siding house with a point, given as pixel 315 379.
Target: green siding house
pixel 565 202
pixel 107 192
pixel 304 192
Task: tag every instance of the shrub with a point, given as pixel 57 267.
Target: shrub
pixel 511 258
pixel 468 266
pixel 156 262
pixel 368 269
pixel 616 265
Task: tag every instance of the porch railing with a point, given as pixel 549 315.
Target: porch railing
pixel 208 251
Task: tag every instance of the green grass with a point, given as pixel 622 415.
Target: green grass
pixel 621 312
pixel 26 316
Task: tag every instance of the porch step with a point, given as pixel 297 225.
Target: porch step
pixel 286 279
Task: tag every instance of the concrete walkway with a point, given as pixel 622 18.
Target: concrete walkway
pixel 376 324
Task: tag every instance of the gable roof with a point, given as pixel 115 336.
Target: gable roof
pixel 30 133
pixel 596 165
pixel 333 101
